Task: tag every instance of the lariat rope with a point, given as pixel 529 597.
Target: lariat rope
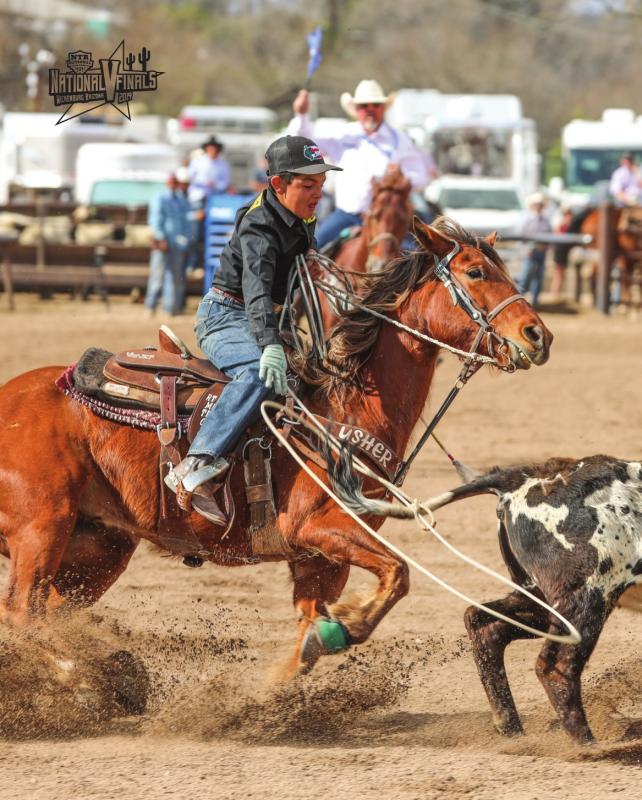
pixel 423 516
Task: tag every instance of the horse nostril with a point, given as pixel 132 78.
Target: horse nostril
pixel 534 334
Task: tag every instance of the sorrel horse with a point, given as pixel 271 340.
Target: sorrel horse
pixel 78 492
pixel 627 245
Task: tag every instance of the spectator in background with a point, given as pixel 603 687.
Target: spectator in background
pixel 259 179
pixel 364 152
pixel 561 251
pixel 535 223
pixel 626 182
pixel 209 173
pixel 169 219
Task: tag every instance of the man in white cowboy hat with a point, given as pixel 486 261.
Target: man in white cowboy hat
pixel 368 146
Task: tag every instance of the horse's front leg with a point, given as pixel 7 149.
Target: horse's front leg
pixel 340 540
pixel 317 582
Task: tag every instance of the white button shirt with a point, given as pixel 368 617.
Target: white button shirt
pixel 364 157
pixel 626 181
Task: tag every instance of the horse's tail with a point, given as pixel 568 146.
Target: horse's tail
pixel 347 485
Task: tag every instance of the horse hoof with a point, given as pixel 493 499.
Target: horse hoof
pixel 324 637
pixel 332 634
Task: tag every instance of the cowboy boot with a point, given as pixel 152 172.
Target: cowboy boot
pixel 188 481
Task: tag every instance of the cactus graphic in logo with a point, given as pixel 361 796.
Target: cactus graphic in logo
pixel 115 82
pixel 312 152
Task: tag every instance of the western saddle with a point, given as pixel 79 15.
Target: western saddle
pixel 173 381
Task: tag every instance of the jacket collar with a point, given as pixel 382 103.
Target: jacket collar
pixel 286 215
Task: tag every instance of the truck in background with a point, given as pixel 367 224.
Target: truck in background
pixel 38 157
pixel 122 173
pixel 481 135
pixel 591 151
pixel 245 131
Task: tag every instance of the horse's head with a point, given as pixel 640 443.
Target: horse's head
pixel 389 217
pixel 476 302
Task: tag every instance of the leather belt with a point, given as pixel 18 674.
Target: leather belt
pixel 229 295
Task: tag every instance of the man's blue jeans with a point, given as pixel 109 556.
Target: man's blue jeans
pixel 166 275
pixel 223 334
pixel 333 224
pixel 532 276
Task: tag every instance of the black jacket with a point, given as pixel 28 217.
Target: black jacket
pixel 256 262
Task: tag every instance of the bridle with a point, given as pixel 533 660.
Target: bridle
pixel 496 345
pixel 461 298
pixel 375 263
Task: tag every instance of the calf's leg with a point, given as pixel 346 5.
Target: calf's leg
pixel 559 666
pixel 489 638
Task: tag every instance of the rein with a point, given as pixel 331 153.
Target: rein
pixel 472 359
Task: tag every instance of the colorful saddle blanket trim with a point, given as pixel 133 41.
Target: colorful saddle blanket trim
pixel 136 418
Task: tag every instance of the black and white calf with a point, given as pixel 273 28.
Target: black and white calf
pixel 571 532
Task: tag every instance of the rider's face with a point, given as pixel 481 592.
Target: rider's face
pixel 301 196
pixel 370 115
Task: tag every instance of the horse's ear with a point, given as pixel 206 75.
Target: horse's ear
pixel 492 238
pixel 430 239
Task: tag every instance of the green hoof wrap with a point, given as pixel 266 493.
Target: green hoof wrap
pixel 332 634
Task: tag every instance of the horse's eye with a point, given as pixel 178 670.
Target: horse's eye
pixel 475 273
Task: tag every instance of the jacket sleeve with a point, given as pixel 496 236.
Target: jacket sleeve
pixel 259 251
pixel 413 162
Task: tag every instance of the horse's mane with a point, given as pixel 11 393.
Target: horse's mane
pixel 355 334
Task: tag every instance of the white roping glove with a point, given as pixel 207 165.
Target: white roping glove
pixel 273 368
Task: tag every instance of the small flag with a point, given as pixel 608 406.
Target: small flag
pixel 315 42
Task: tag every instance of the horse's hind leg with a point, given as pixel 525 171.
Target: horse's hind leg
pixel 489 638
pixel 559 666
pixel 36 551
pixel 317 582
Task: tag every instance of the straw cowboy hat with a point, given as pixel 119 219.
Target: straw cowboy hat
pixel 535 199
pixel 366 92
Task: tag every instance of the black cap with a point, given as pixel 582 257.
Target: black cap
pixel 296 154
pixel 212 142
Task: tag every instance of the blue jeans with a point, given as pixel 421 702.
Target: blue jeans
pixel 532 275
pixel 333 224
pixel 166 275
pixel 223 334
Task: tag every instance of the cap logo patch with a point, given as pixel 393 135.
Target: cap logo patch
pixel 312 152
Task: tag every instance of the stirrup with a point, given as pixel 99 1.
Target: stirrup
pixel 212 513
pixel 198 477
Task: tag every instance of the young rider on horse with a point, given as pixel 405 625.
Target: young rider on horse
pixel 236 326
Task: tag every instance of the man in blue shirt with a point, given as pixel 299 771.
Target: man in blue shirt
pixel 209 173
pixel 169 217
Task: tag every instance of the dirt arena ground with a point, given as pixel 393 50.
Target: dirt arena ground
pixel 401 717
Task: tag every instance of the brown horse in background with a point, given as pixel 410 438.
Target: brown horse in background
pixel 626 247
pixel 385 225
pixel 78 492
pixel 379 240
